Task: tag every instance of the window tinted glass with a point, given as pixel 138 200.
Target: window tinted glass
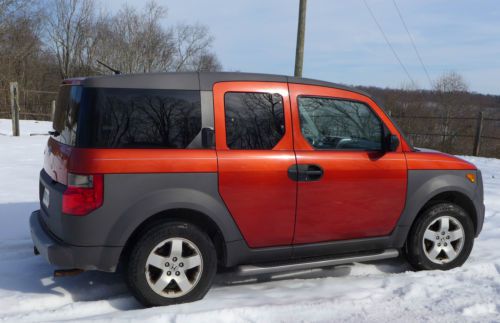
pixel 142 118
pixel 66 114
pixel 253 120
pixel 337 124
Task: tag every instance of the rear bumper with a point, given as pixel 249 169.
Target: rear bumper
pixel 67 256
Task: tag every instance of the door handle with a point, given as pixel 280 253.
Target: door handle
pixel 305 172
pixel 313 173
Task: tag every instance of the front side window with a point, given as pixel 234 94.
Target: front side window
pixel 141 118
pixel 329 123
pixel 253 120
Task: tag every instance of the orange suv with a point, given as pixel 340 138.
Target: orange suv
pixel 174 175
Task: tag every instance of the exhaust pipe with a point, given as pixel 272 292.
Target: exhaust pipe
pixel 67 272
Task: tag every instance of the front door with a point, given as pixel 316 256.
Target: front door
pixel 348 186
pixel 254 145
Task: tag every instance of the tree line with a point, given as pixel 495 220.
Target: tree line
pixel 42 42
pixel 445 117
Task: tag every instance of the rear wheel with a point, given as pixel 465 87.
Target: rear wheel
pixel 441 238
pixel 172 263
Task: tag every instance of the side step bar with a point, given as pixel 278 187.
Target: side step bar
pixel 249 270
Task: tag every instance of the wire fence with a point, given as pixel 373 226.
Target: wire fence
pixel 456 135
pixel 33 104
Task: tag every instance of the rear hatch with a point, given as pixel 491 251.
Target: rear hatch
pixel 54 176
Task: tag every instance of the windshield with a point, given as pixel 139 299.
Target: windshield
pixel 66 114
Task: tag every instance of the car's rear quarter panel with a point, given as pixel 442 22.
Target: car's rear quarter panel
pixel 137 185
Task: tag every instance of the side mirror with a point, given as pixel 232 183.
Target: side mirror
pixel 392 143
pixel 207 138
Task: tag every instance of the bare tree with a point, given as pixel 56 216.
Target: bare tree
pixel 207 62
pixel 191 49
pixel 70 23
pixel 451 82
pixel 138 42
pixel 20 41
pixel 451 90
pixel 133 41
pixel 8 10
pixel 44 41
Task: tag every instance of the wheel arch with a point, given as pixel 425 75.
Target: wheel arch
pixel 203 208
pixel 186 215
pixel 427 187
pixel 454 197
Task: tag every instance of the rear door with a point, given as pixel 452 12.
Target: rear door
pixel 53 177
pixel 255 151
pixel 348 186
pixel 65 123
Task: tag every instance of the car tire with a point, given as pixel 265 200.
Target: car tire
pixel 441 238
pixel 171 263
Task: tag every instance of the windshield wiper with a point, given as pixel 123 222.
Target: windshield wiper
pixel 54 133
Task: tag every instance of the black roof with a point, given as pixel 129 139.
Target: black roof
pixel 203 81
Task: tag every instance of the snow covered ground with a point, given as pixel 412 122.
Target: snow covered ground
pixel 382 291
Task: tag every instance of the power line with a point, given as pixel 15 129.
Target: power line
pixel 389 43
pixel 413 43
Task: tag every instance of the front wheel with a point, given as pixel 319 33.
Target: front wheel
pixel 441 238
pixel 172 263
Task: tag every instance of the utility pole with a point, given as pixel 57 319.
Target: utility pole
pixel 301 30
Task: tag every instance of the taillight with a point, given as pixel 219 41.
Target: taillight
pixel 84 194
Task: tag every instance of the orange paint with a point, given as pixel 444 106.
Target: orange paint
pixel 254 184
pixel 361 194
pixel 436 160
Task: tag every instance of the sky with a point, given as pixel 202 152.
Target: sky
pixel 343 43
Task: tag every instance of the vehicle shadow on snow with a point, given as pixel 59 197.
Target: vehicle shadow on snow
pixel 30 274
pixel 21 271
pixel 14 219
pixel 387 266
pixel 230 278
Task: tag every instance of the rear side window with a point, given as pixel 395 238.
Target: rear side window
pixel 66 114
pixel 253 120
pixel 329 123
pixel 141 118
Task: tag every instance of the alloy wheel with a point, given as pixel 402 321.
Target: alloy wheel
pixel 174 267
pixel 443 240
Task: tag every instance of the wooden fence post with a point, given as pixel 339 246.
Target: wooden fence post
pixel 53 109
pixel 479 131
pixel 14 106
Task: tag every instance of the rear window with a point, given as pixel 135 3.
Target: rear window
pixel 139 118
pixel 66 114
pixel 127 118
